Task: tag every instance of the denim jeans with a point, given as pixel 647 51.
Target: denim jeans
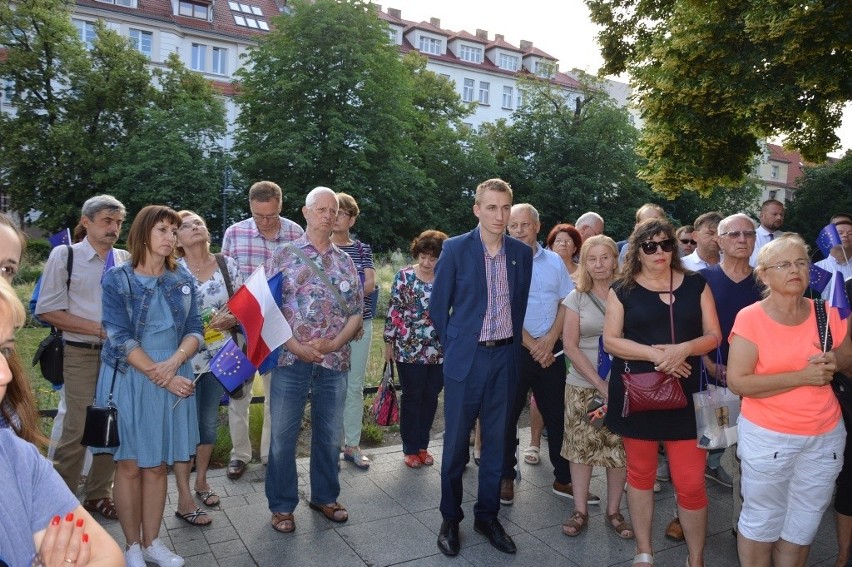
pixel 208 392
pixel 288 393
pixel 421 386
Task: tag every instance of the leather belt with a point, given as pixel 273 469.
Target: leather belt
pixel 87 346
pixel 498 342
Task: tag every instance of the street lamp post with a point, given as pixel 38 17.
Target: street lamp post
pixel 227 189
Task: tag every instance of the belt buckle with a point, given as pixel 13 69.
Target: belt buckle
pixel 490 343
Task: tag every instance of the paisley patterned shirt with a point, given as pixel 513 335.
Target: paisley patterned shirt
pixel 408 326
pixel 310 307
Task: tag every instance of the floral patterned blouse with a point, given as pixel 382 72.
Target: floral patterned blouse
pixel 212 295
pixel 408 325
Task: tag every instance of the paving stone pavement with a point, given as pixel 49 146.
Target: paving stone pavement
pixel 394 520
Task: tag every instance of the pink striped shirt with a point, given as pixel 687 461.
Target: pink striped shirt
pixel 498 314
pixel 246 244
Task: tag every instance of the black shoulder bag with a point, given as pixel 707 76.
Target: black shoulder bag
pixel 51 350
pixel 840 383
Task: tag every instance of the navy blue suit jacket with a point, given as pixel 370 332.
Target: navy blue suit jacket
pixel 459 297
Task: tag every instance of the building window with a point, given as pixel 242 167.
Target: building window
pixel 472 54
pixel 508 95
pixel 544 69
pixel 773 173
pixel 199 55
pixel 219 61
pixel 467 90
pixel 392 36
pixel 484 87
pixel 86 32
pixel 193 10
pixel 142 41
pixel 773 194
pixel 8 91
pixel 430 45
pixel 127 3
pixel 507 62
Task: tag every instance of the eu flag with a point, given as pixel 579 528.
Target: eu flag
pixel 819 278
pixel 231 367
pixel 60 238
pixel 839 299
pixel 828 238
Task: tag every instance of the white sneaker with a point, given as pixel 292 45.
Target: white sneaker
pixel 663 472
pixel 133 556
pixel 161 555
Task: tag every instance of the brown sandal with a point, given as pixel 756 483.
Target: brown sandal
pixel 330 511
pixel 622 528
pixel 284 523
pixel 578 522
pixel 104 506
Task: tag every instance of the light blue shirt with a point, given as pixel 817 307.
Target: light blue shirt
pixel 762 238
pixel 550 284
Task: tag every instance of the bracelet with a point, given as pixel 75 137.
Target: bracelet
pixel 185 356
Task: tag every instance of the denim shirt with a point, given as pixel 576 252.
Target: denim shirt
pixel 125 310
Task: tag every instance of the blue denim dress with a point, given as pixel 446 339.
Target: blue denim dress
pixel 150 431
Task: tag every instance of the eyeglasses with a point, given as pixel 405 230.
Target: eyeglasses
pixel 799 265
pixel 735 234
pixel 342 213
pixel 650 247
pixel 258 217
pixel 563 242
pixel 688 241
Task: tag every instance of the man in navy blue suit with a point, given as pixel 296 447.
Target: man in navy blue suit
pixel 478 303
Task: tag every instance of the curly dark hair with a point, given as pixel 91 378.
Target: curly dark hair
pixel 428 242
pixel 643 232
pixel 568 229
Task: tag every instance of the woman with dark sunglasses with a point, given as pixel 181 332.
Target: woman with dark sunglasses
pixel 653 299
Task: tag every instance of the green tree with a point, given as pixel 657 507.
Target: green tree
pixel 823 191
pixel 712 78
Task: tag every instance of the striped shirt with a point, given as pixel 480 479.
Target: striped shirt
pixel 498 314
pixel 246 244
pixel 362 255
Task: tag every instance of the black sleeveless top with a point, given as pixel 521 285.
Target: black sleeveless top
pixel 646 321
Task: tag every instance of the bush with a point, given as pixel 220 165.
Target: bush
pixel 28 274
pixel 37 251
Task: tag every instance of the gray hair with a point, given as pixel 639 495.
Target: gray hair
pixel 314 194
pixel 99 203
pixel 587 219
pixel 723 224
pixel 529 208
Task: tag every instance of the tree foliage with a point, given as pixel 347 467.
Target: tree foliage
pixel 712 78
pixel 351 115
pixel 90 121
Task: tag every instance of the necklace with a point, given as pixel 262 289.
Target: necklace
pixel 197 271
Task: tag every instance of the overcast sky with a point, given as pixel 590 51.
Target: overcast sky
pixel 560 28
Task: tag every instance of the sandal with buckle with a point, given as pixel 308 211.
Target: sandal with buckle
pixel 103 506
pixel 577 522
pixel 643 558
pixel 191 518
pixel 413 461
pixel 356 457
pixel 622 528
pixel 206 496
pixel 284 523
pixel 330 511
pixel 531 455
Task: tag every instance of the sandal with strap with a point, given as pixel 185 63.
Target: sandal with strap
pixel 356 457
pixel 413 461
pixel 622 528
pixel 643 558
pixel 206 496
pixel 531 455
pixel 284 523
pixel 103 506
pixel 330 511
pixel 578 522
pixel 191 518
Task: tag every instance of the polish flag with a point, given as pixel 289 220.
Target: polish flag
pixel 260 316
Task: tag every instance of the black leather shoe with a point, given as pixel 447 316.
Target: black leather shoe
pixel 236 468
pixel 448 538
pixel 495 534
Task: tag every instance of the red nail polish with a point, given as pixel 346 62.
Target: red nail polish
pixel 69 517
pixel 85 538
pixel 55 521
pixel 80 523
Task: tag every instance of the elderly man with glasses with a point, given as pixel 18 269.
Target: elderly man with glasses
pixel 251 243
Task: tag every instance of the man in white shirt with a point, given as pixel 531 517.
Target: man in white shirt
pixel 838 259
pixel 706 251
pixel 771 219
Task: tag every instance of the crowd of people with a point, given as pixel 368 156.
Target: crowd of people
pixel 493 318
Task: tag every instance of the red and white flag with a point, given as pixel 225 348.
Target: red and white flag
pixel 263 323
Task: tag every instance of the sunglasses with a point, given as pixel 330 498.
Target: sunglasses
pixel 650 247
pixel 687 241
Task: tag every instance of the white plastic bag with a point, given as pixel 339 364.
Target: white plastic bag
pixel 716 412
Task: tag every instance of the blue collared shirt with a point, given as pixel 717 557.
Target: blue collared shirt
pixel 550 284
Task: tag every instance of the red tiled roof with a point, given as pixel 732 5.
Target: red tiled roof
pixel 426 26
pixel 468 37
pixel 539 53
pixel 225 88
pixel 502 44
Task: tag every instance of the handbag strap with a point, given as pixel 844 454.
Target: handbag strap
pixel 322 275
pixel 825 340
pixel 671 312
pixel 229 285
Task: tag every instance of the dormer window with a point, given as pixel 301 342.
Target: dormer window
pixel 507 62
pixel 544 69
pixel 194 10
pixel 430 45
pixel 471 54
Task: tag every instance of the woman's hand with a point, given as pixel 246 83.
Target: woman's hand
pixel 181 387
pixel 65 543
pixel 161 373
pixel 671 359
pixel 817 373
pixel 223 320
